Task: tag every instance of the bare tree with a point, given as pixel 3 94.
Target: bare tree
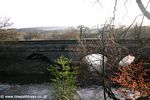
pixel 5 23
pixel 5 33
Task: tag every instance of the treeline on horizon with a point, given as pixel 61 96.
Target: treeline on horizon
pixel 72 33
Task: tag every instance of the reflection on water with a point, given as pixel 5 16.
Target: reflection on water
pixel 26 91
pixel 27 86
pixel 39 87
pixel 24 78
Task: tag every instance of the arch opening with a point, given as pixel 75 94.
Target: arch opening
pixel 40 56
pixel 94 61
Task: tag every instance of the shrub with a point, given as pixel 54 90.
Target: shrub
pixel 65 79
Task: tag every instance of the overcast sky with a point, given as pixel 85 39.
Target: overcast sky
pixel 33 13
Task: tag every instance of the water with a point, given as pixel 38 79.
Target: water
pixel 25 78
pixel 27 86
pixel 26 91
pixel 27 83
pixel 39 87
pixel 44 92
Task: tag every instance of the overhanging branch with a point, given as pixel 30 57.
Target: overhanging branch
pixel 143 9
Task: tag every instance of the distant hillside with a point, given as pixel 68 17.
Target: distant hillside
pixel 70 33
pixel 42 29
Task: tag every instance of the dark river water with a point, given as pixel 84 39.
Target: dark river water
pixel 39 87
pixel 26 87
pixel 26 91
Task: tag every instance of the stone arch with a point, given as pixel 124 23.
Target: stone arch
pixel 37 55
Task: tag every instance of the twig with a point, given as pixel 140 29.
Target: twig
pixel 125 32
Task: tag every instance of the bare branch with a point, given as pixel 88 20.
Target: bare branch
pixel 142 22
pixel 143 9
pixel 115 9
pixel 125 8
pixel 5 22
pixel 124 33
pixel 98 1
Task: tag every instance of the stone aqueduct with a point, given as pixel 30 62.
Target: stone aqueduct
pixel 52 49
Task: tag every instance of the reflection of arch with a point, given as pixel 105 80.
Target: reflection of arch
pixel 38 56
